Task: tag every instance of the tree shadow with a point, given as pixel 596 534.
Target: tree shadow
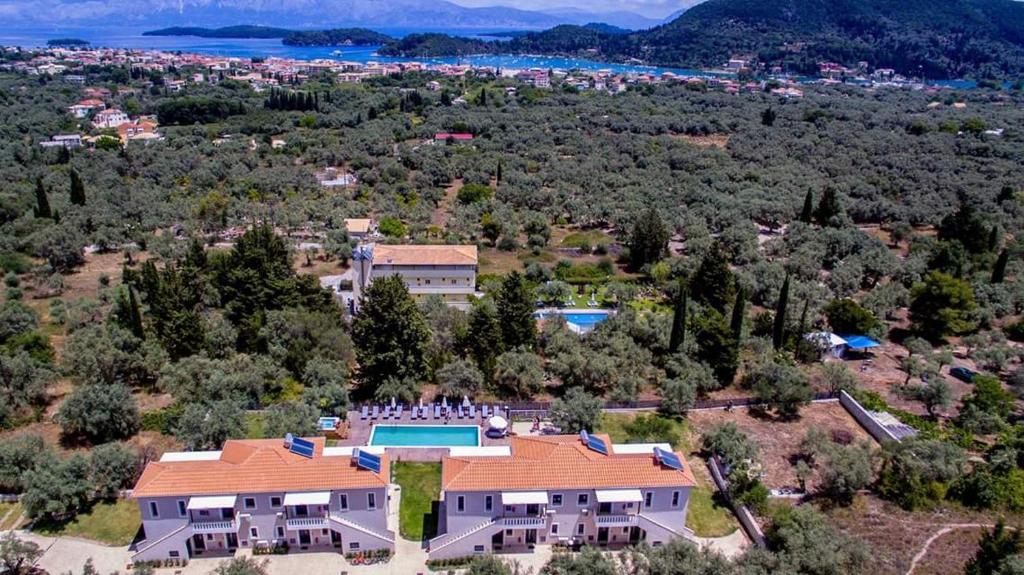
pixel 430 521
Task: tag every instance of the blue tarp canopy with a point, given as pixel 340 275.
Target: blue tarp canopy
pixel 859 341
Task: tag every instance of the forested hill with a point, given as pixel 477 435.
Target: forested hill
pixel 940 38
pixel 337 37
pixel 225 32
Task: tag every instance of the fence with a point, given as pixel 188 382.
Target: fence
pixel 742 512
pixel 869 423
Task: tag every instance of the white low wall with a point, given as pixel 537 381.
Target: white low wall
pixel 877 430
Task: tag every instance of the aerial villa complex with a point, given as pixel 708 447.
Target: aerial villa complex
pixel 538 490
pixel 447 271
pixel 262 494
pixel 562 489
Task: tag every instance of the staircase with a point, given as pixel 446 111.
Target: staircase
pixel 442 541
pixel 390 540
pixel 146 545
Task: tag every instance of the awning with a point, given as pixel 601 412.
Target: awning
pixel 308 498
pixel 860 341
pixel 524 497
pixel 619 496
pixel 214 502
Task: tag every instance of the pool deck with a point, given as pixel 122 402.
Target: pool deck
pixel 359 431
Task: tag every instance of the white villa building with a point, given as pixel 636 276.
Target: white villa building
pixel 444 270
pixel 562 489
pixel 263 493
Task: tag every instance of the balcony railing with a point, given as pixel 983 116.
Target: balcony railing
pixel 215 526
pixel 524 522
pixel 615 520
pixel 306 523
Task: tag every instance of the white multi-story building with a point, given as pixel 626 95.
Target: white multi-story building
pixel 447 271
pixel 562 489
pixel 110 118
pixel 263 493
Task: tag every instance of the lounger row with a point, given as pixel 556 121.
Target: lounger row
pixel 438 411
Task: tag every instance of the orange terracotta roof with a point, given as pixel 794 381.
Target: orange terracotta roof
pixel 419 255
pixel 257 466
pixel 560 462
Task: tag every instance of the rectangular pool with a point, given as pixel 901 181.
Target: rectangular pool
pixel 583 320
pixel 425 435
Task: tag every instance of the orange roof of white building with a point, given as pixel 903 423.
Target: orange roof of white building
pixel 257 466
pixel 357 225
pixel 560 462
pixel 418 255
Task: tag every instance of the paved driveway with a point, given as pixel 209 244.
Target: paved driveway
pixel 63 554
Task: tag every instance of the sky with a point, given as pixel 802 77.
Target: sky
pixel 649 8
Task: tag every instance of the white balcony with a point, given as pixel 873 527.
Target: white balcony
pixel 524 522
pixel 615 520
pixel 215 526
pixel 306 523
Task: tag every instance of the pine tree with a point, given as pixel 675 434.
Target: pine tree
pixel 779 327
pixel 648 241
pixel 42 202
pixel 738 312
pixel 77 189
pixel 714 284
pixel 768 117
pixel 828 207
pixel 484 337
pixel 678 335
pixel 808 210
pixel 515 311
pixel 999 269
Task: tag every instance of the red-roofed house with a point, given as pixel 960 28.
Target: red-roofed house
pixel 262 493
pixel 563 489
pixel 445 137
pixel 85 107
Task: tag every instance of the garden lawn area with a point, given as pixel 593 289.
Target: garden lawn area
pixel 111 523
pixel 9 515
pixel 421 491
pixel 705 516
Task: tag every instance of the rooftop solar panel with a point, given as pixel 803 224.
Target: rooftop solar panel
pixel 368 461
pixel 668 459
pixel 302 447
pixel 597 444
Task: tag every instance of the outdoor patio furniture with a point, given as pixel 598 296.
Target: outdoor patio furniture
pixel 375 413
pixel 472 412
pixel 387 412
pixel 486 411
pixel 364 413
pixel 437 411
pixel 462 412
pixel 398 412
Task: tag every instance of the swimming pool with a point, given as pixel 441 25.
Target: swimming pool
pixel 584 320
pixel 425 435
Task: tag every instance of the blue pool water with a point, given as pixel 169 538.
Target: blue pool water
pixel 425 435
pixel 586 320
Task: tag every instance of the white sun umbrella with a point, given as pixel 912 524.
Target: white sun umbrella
pixel 421 401
pixel 497 422
pixel 393 402
pixel 465 401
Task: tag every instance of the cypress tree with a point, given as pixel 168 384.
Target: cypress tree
pixel 999 269
pixel 828 207
pixel 714 284
pixel 779 327
pixel 678 335
pixel 135 315
pixel 738 311
pixel 806 212
pixel 42 202
pixel 77 189
pixel 993 239
pixel 497 176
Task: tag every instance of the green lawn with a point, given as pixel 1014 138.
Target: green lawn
pixel 421 490
pixel 706 517
pixel 9 515
pixel 111 523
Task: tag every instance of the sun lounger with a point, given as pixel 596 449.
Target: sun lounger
pixel 437 411
pixel 387 412
pixel 485 411
pixel 462 412
pixel 472 412
pixel 398 412
pixel 415 412
pixel 376 412
pixel 364 413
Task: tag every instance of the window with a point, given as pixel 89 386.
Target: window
pixel 675 499
pixel 254 532
pixel 280 531
pixel 556 499
pixel 583 499
pixel 153 510
pixel 510 509
pixel 371 500
pixel 353 545
pixel 275 501
pixel 648 498
pixel 204 512
pixel 580 528
pixel 460 503
pixel 554 529
pixel 427 282
pixel 478 549
pixel 343 501
pixel 249 503
pixel 173 554
pixel 488 502
pixel 182 510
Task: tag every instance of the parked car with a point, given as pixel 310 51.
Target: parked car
pixel 963 374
